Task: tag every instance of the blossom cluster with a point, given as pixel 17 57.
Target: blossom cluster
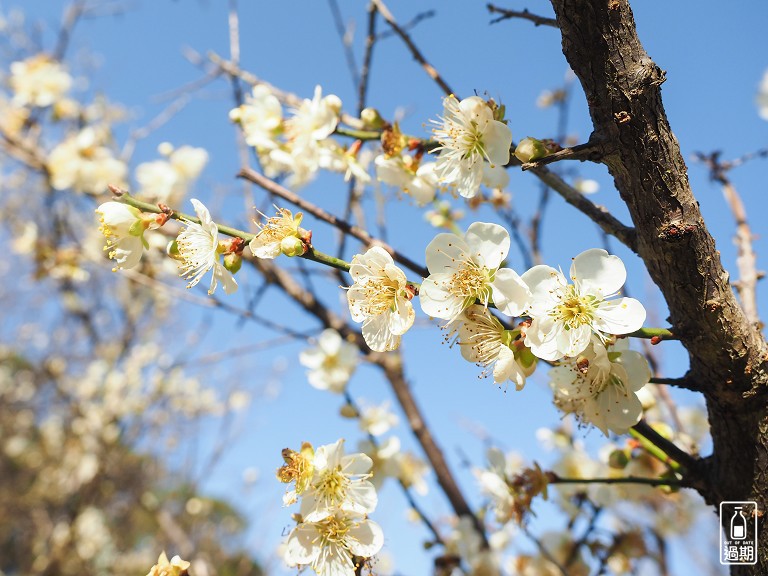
pixel 300 145
pixel 333 534
pixel 571 324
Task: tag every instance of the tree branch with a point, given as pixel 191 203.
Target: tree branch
pixel 523 15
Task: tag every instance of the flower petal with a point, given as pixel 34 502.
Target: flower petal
pixel 597 272
pixel 302 545
pixel 488 244
pixel 377 334
pixel 620 316
pixel 365 539
pixel 510 293
pixel 436 301
pixel 445 252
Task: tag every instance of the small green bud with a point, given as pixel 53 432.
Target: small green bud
pixel 530 149
pixel 137 228
pixel 233 262
pixel 372 119
pixel 292 246
pixel 618 459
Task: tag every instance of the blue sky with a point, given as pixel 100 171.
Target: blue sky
pixel 714 61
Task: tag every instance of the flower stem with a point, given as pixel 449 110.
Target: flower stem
pixel 554 479
pixel 659 333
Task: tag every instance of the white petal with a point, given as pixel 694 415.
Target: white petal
pixel 365 539
pixel 312 358
pixel 544 283
pixel 574 341
pixel 488 244
pixel 436 301
pixel 445 252
pixel 498 140
pixel 264 250
pixel 510 293
pixel 377 334
pixel 361 498
pixel 620 316
pixel 301 547
pixel 401 319
pixel 355 464
pixel 329 341
pixel 638 371
pixel 506 368
pixel 597 272
pixel 226 277
pixel 495 176
pixel 542 338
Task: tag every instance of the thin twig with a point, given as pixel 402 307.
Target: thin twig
pixel 320 214
pixel 415 52
pixel 746 260
pixel 349 54
pixel 667 447
pixel 521 14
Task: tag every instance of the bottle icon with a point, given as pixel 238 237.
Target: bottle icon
pixel 738 525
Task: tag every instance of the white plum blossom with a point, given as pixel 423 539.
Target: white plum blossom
pixel 315 119
pixel 38 81
pixel 123 227
pixel 566 315
pixel 601 385
pixel 417 179
pixel 260 117
pixel 280 234
pixel 484 341
pixel 83 163
pixel 380 298
pixel 377 420
pixel 331 363
pixel 465 270
pixel 469 137
pixel 198 246
pixel 494 480
pixel 338 482
pixel 168 180
pixel 330 545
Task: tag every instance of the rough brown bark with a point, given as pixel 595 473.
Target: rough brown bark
pixel 727 353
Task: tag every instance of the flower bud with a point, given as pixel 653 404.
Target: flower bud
pixel 348 411
pixel 372 119
pixel 292 246
pixel 618 459
pixel 233 261
pixel 530 149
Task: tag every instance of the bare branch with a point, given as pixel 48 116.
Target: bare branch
pixel 521 14
pixel 415 52
pixel 320 214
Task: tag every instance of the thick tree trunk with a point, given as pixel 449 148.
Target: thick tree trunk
pixel 727 353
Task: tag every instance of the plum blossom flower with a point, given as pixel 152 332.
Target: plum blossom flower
pixel 415 179
pixel 566 315
pixel 464 270
pixel 173 567
pixel 83 163
pixel 123 227
pixel 260 117
pixel 469 136
pixel 377 420
pixel 331 363
pixel 38 81
pixel 330 545
pixel 484 341
pixel 315 119
pixel 167 180
pixel 601 385
pixel 280 234
pixel 339 482
pixel 198 246
pixel 380 299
